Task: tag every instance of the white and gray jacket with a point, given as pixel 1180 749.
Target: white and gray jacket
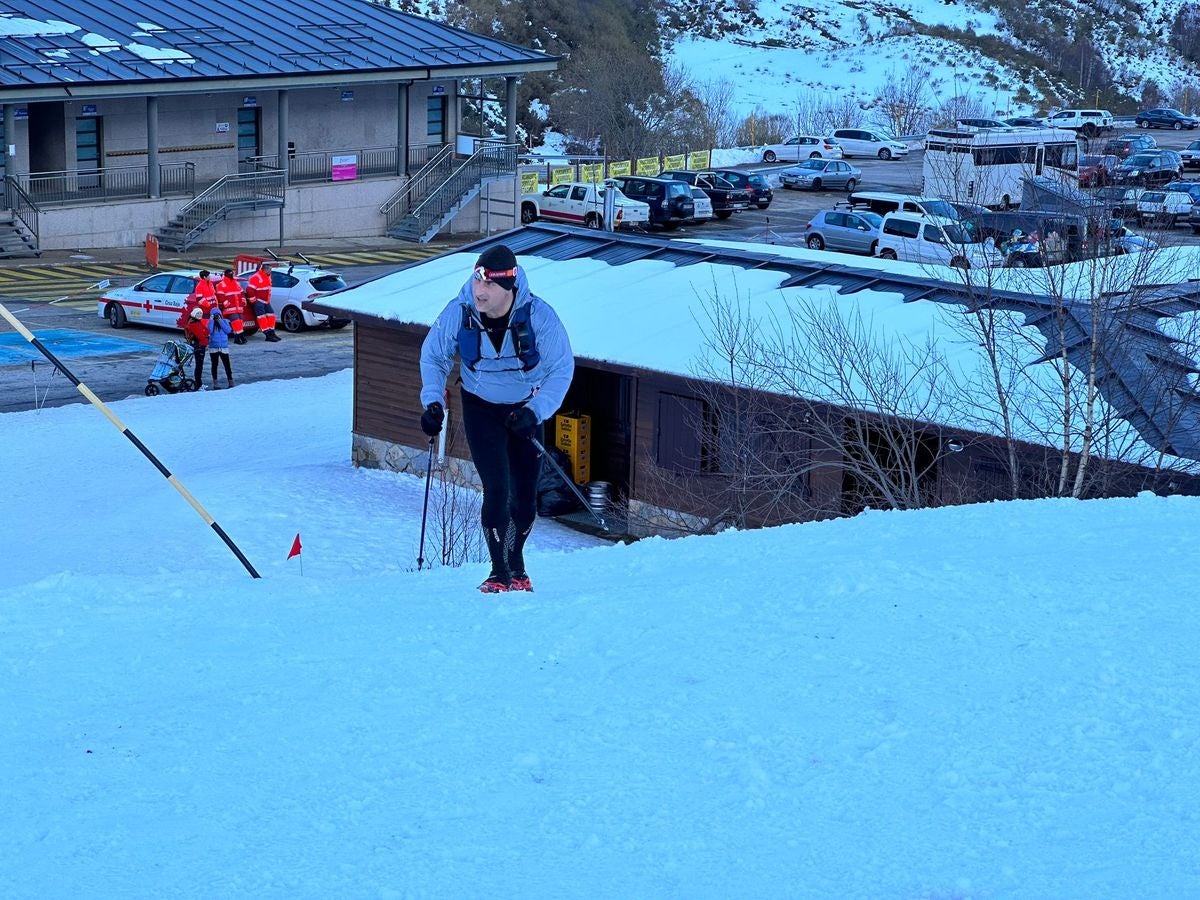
pixel 499 377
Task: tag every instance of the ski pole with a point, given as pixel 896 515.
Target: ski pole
pixel 425 507
pixel 571 484
pixel 133 438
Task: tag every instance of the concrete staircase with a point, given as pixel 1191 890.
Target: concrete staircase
pixel 247 191
pixel 15 239
pixel 436 194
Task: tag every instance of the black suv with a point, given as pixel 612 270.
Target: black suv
pixel 670 201
pixel 758 186
pixel 726 199
pixel 1149 167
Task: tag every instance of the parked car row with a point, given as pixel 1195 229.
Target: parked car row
pixel 933 231
pixel 841 143
pixel 668 200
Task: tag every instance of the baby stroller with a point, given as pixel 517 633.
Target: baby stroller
pixel 170 371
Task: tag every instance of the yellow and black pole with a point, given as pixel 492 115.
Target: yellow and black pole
pixel 112 417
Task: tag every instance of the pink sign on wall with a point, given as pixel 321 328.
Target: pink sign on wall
pixel 344 168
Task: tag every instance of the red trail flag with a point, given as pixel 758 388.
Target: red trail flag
pixel 295 551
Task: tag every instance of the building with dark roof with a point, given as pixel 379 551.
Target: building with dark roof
pixel 684 444
pixel 314 119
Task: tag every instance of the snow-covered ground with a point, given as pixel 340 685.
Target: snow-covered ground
pixel 979 702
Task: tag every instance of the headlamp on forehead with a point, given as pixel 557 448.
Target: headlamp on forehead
pixel 482 274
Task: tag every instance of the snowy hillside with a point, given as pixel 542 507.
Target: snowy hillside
pixel 776 50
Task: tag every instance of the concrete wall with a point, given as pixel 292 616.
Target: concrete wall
pixel 318 119
pixel 342 209
pixel 103 225
pixel 496 208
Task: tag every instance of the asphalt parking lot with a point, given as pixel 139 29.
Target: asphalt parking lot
pixel 784 221
pixel 117 365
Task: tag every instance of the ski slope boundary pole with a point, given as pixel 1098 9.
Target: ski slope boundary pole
pixel 569 483
pixel 133 438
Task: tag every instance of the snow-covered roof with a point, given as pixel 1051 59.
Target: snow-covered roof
pixel 652 304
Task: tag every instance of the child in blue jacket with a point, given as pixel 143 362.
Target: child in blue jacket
pixel 218 345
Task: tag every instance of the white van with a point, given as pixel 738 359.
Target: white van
pixel 864 142
pixel 882 202
pixel 931 240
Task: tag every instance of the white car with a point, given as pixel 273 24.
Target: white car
pixel 291 285
pixel 1191 155
pixel 704 207
pixel 981 125
pixel 157 300
pixel 1163 208
pixel 581 203
pixel 865 142
pixel 935 240
pixel 805 146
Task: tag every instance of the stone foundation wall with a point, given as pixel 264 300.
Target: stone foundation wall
pixel 374 453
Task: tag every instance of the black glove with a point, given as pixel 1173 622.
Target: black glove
pixel 522 422
pixel 432 418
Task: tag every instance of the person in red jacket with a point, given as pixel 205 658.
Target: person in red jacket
pixel 206 292
pixel 229 296
pixel 197 335
pixel 258 292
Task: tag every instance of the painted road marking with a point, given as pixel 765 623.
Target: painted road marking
pixel 76 281
pixel 65 343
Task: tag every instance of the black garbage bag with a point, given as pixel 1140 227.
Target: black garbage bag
pixel 554 497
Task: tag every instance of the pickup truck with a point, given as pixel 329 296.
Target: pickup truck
pixel 726 199
pixel 581 203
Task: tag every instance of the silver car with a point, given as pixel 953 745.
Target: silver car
pixel 821 174
pixel 806 146
pixel 851 231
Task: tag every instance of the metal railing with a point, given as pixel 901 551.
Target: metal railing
pixel 420 154
pixel 22 206
pixel 315 166
pixel 253 190
pixel 492 161
pixel 437 168
pixel 109 183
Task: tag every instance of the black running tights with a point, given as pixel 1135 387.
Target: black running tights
pixel 508 469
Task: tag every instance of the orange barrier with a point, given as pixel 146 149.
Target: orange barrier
pixel 152 251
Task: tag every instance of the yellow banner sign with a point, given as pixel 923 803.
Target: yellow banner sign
pixel 648 165
pixel 561 175
pixel 529 183
pixel 677 161
pixel 698 159
pixel 624 167
pixel 592 172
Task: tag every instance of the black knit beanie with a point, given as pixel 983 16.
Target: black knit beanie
pixel 499 259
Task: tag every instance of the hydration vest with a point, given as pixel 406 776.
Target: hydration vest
pixel 520 326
